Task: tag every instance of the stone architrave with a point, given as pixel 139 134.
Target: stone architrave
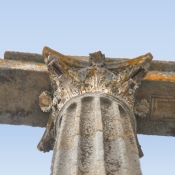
pixel 92 127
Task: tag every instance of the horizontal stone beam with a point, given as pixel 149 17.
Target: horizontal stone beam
pixel 21 83
pixel 23 76
pixel 158 90
pixel 23 56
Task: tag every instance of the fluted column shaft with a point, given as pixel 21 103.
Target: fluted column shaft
pixel 95 136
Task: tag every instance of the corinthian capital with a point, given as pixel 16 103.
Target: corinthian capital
pixel 73 76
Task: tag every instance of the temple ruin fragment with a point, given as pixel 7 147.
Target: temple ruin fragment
pixel 92 106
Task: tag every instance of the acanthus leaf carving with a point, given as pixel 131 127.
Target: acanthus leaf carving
pixel 72 77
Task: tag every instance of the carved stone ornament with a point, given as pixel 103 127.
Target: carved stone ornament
pixel 92 127
pixel 141 108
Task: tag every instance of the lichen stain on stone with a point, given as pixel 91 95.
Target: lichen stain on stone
pixel 159 67
pixel 140 59
pixel 62 58
pixel 22 64
pixel 156 76
pixel 92 72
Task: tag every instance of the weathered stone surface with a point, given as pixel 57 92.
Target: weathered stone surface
pixel 21 83
pixel 95 136
pixel 92 127
pixel 71 77
pixel 21 80
pixel 160 120
pixel 23 56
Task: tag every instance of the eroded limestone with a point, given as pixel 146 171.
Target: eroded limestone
pixel 79 90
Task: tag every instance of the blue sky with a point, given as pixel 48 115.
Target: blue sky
pixel 117 28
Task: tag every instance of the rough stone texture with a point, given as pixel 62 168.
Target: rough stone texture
pixel 92 126
pixel 71 77
pixel 18 77
pixel 21 83
pixel 95 136
pixel 161 117
pixel 10 55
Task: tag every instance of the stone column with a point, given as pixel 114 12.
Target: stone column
pixel 92 127
pixel 95 135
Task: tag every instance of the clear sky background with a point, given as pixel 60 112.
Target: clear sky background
pixel 122 28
